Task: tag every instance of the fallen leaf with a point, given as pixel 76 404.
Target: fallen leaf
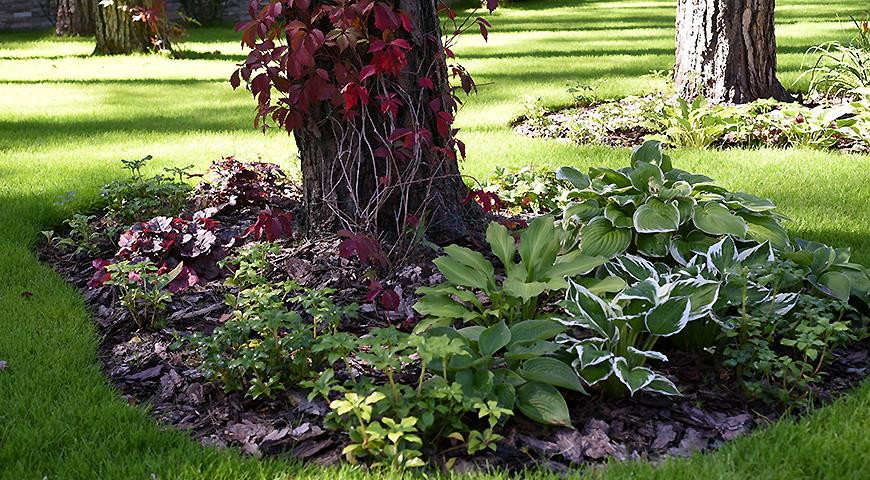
pixel 146 374
pixel 27 294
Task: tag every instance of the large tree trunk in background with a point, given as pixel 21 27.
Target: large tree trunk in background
pixel 336 196
pixel 76 17
pixel 117 33
pixel 726 51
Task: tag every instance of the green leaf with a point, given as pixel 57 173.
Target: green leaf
pixel 715 219
pixel 645 174
pixel 654 244
pixel 656 216
pixel 763 228
pixel 619 216
pixel 502 244
pixel 539 246
pixel 542 403
pixel 837 283
pixel 471 258
pixel 493 339
pixel 552 372
pixel 634 378
pixel 516 287
pixel 458 273
pixel 598 372
pixel 611 284
pixel 650 152
pixel 722 257
pixel 440 306
pixel 530 349
pixel 668 317
pixel 574 263
pixel 582 211
pixel 749 202
pixel 575 177
pixel 535 330
pixel 472 333
pixel 661 384
pixel 599 238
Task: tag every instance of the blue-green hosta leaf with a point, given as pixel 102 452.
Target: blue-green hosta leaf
pixel 669 317
pixel 760 254
pixel 859 280
pixel 702 294
pixel 614 180
pixel 506 375
pixel 620 217
pixel 722 257
pixel 626 200
pixel 836 284
pixel 542 403
pixel 764 228
pixel 676 175
pixel 493 339
pixel 599 238
pixel 823 258
pixel 714 219
pixel 583 211
pixel 661 384
pixel 635 378
pixel 552 372
pixel 535 330
pixel 749 202
pixel 539 245
pixel 648 354
pixel 472 333
pixel 656 216
pixel 650 151
pixel 575 177
pixel 679 190
pixel 502 244
pixel 632 266
pixel 644 175
pixel 710 192
pixel 654 244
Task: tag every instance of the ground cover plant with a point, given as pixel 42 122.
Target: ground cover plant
pixel 818 212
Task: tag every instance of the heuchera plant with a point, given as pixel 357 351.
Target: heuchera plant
pixel 231 182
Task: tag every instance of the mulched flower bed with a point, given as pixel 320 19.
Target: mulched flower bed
pixel 158 370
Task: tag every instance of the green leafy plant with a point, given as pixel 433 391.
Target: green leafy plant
pixel 692 124
pixel 534 112
pixel 526 190
pixel 138 197
pixel 655 210
pixel 83 235
pixel 143 289
pixel 840 67
pixel 541 269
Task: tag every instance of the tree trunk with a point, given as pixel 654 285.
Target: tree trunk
pixel 726 51
pixel 76 17
pixel 117 33
pixel 347 184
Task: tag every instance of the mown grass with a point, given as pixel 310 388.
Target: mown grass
pixel 67 118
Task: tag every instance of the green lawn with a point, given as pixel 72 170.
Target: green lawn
pixel 67 118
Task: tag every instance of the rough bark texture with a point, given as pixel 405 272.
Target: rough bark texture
pixel 341 178
pixel 726 51
pixel 76 17
pixel 117 33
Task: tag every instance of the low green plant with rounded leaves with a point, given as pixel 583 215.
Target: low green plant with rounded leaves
pixel 654 210
pixel 472 294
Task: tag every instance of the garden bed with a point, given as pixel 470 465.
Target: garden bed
pixel 162 368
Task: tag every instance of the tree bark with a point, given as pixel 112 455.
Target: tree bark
pixel 343 180
pixel 726 51
pixel 117 33
pixel 76 17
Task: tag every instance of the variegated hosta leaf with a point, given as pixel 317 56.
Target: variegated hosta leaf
pixel 645 174
pixel 583 211
pixel 661 384
pixel 715 219
pixel 784 303
pixel 702 294
pixel 760 254
pixel 593 312
pixel 599 238
pixel 635 379
pixel 750 202
pixel 597 372
pixel 650 354
pixel 656 216
pixel 632 266
pixel 647 290
pixel 669 317
pixel 722 257
pixel 653 244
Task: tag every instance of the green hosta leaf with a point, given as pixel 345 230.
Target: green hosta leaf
pixel 573 264
pixel 575 177
pixel 582 211
pixel 722 257
pixel 644 175
pixel 598 372
pixel 539 246
pixel 859 281
pixel 651 152
pixel 686 207
pixel 472 333
pixel 837 284
pixel 542 403
pixel 619 216
pixel 634 378
pixel 599 238
pixel 656 216
pixel 493 339
pixel 626 200
pixel 762 228
pixel 692 179
pixel 440 306
pixel 679 190
pixel 702 294
pixel 535 330
pixel 661 384
pixel 593 312
pixel 552 372
pixel 653 244
pixel 749 202
pixel 668 317
pixel 502 244
pixel 458 273
pixel 525 290
pixel 714 219
pixel 470 258
pixel 530 349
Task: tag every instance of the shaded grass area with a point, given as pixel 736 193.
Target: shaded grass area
pixel 67 118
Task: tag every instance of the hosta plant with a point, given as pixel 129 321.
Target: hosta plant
pixel 653 210
pixel 472 293
pixel 619 334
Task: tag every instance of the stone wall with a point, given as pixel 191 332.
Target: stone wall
pixel 40 14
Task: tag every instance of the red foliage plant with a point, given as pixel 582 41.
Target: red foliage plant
pixel 345 65
pixel 271 224
pixel 231 183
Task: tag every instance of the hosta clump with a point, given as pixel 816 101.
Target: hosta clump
pixel 655 210
pixel 231 182
pixel 619 334
pixel 472 294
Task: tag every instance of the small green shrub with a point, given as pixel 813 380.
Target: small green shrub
pixel 144 290
pixel 138 197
